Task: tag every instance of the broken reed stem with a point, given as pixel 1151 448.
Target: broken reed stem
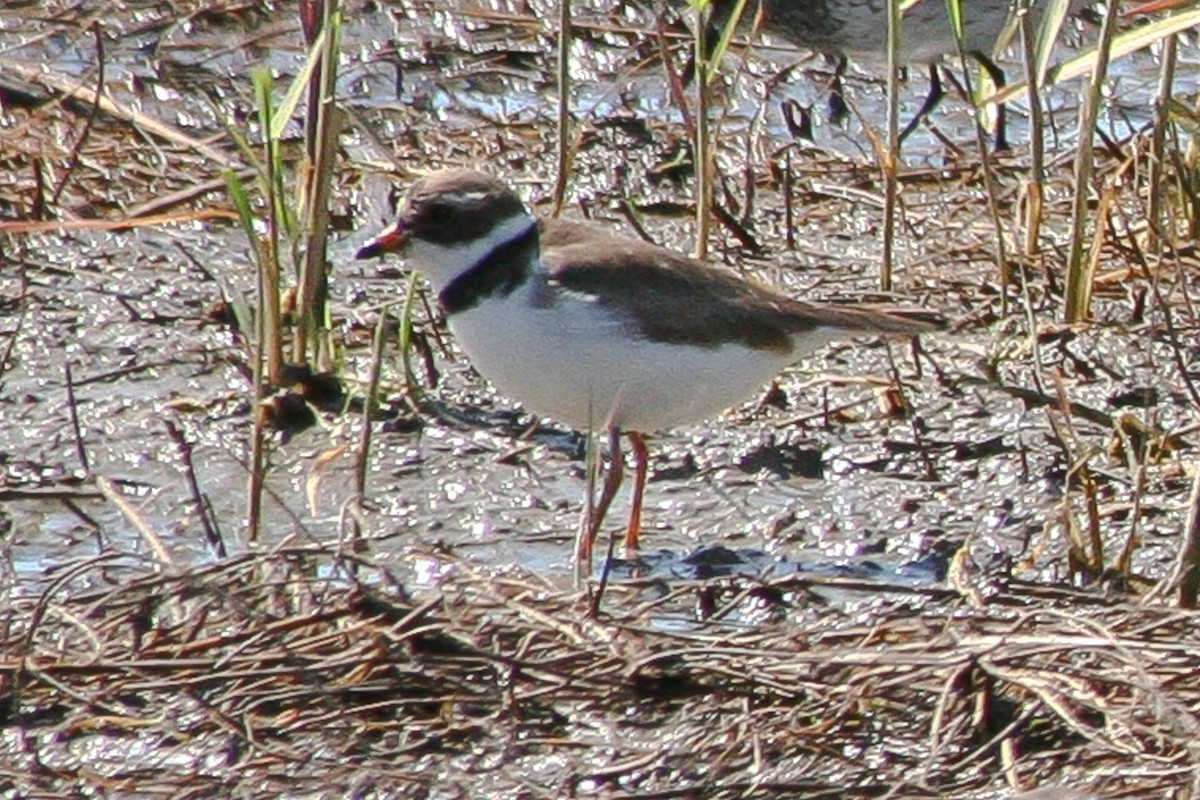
pixel 1136 460
pixel 985 161
pixel 162 556
pixel 268 351
pixel 362 458
pixel 406 339
pixel 989 187
pixel 257 476
pixel 1184 580
pixel 269 330
pixel 789 202
pixel 73 410
pixel 202 507
pixel 1189 554
pixel 89 118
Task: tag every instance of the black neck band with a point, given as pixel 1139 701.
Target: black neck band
pixel 500 272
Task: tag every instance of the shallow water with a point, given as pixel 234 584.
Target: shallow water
pixel 127 311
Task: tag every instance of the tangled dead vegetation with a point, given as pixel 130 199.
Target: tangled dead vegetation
pixel 306 673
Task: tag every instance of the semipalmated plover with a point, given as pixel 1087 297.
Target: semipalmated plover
pixel 858 29
pixel 599 331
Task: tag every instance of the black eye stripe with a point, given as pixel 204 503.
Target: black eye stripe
pixel 438 211
pixel 444 218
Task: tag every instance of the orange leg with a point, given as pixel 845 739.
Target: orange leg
pixel 612 482
pixel 640 466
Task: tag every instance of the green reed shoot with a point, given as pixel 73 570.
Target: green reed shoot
pixel 405 337
pixel 708 63
pixel 293 199
pixel 288 224
pixel 267 357
pixel 314 185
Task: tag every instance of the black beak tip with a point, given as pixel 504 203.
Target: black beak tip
pixel 391 240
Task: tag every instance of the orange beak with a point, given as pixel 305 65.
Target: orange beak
pixel 391 239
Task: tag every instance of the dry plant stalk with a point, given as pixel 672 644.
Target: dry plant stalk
pixel 311 671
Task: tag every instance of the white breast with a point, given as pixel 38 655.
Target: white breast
pixel 574 361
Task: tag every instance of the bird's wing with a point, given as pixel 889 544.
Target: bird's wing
pixel 673 298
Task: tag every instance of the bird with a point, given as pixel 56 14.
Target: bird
pixel 599 331
pixel 858 29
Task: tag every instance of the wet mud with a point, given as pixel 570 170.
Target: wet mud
pixel 984 452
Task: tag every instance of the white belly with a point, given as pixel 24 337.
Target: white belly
pixel 575 362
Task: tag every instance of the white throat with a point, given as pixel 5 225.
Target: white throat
pixel 441 263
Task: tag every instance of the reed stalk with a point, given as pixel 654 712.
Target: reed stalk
pixel 1156 179
pixel 323 123
pixel 563 148
pixel 1078 289
pixel 889 156
pixel 1035 183
pixel 267 356
pixel 701 144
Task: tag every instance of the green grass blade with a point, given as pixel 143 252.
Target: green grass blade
pixel 299 85
pixel 727 32
pixel 1122 45
pixel 241 204
pixel 1053 17
pixel 954 10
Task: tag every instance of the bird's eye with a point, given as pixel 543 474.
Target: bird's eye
pixel 439 213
